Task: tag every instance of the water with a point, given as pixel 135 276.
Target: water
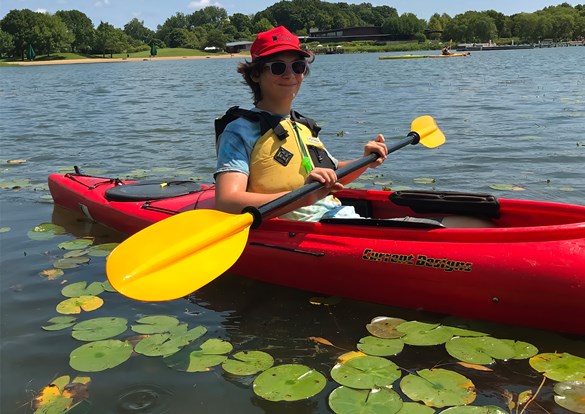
pixel 510 117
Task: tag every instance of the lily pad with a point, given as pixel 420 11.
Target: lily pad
pixel 571 395
pixel 5 229
pixel 522 350
pixel 45 231
pixel 211 353
pixel 289 382
pixel 559 367
pixel 366 372
pixel 52 274
pixel 415 408
pixel 480 350
pixel 344 400
pixel 506 187
pixel 424 334
pixel 470 409
pixel 99 329
pixel 102 250
pixel 75 253
pixel 14 184
pixel 380 346
pixel 76 305
pixel 385 327
pixel 75 244
pixel 424 180
pixel 108 286
pixel 438 388
pixel 78 289
pixel 248 363
pixel 155 324
pixel 70 262
pixel 59 323
pixel 160 345
pixel 100 355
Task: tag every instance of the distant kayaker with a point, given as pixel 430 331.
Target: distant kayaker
pixel 270 150
pixel 445 51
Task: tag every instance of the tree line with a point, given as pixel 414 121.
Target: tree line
pixel 73 31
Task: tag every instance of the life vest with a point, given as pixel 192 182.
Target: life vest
pixel 285 152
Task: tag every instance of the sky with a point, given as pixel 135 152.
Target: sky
pixel 155 12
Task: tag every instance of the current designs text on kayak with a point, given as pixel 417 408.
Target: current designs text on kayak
pixel 444 264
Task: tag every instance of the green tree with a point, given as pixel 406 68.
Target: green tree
pixel 262 25
pixel 215 38
pixel 20 25
pixel 110 40
pixel 51 34
pixel 136 30
pixel 213 15
pixel 178 21
pixel 80 26
pixel 6 43
pixel 243 24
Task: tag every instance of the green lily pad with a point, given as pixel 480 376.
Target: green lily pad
pixel 506 187
pixel 182 332
pixel 14 184
pixel 216 347
pixel 100 355
pixel 51 274
pixel 75 253
pixel 211 353
pixel 75 244
pixel 366 372
pixel 571 395
pixel 289 382
pixel 470 409
pixel 424 334
pixel 78 289
pixel 76 305
pixel 559 367
pixel 438 388
pixel 99 329
pixel 522 350
pixel 424 180
pixel 480 350
pixel 102 250
pixel 160 345
pixel 70 262
pixel 108 287
pixel 59 323
pixel 415 408
pixel 155 324
pixel 5 229
pixel 385 327
pixel 248 363
pixel 380 346
pixel 45 231
pixel 344 400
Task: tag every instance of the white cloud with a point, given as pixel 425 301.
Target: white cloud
pixel 200 4
pixel 102 3
pixel 44 11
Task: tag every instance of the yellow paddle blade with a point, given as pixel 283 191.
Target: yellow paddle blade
pixel 178 255
pixel 428 130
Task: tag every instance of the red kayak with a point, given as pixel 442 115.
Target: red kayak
pixel 528 269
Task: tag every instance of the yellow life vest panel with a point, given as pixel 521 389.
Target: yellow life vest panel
pixel 276 164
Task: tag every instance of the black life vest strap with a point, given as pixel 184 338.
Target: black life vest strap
pixel 266 120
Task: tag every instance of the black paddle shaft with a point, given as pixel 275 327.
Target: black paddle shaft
pixel 278 206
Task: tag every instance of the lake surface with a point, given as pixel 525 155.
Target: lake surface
pixel 510 117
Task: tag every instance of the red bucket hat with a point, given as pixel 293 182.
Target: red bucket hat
pixel 276 40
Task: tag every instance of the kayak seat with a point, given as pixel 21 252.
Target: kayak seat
pixel 361 206
pixel 448 202
pixel 406 222
pixel 151 190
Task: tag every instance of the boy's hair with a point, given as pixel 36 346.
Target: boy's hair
pixel 249 69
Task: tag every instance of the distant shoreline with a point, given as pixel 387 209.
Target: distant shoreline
pixel 114 60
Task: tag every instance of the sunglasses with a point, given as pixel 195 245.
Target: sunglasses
pixel 298 67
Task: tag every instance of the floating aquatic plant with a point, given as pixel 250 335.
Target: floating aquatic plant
pixel 100 355
pixel 45 231
pixel 559 367
pixel 438 388
pixel 99 329
pixel 76 305
pixel 366 372
pixel 63 395
pixel 345 400
pixel 289 382
pixel 248 363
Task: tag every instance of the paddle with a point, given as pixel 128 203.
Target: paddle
pixel 182 253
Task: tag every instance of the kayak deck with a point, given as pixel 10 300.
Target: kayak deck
pixel 527 269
